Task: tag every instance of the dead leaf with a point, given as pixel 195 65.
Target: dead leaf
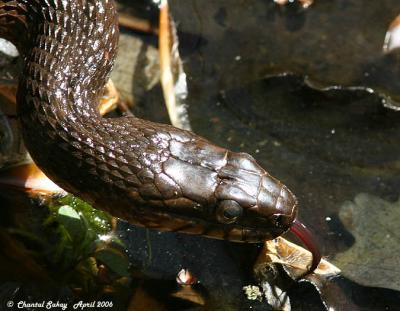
pixel 295 261
pixel 9 92
pixel 190 294
pixel 29 178
pixel 173 77
pixel 392 37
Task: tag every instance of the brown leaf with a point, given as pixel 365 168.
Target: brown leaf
pixel 294 259
pixel 29 178
pixel 392 37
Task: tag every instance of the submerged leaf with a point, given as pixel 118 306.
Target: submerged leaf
pixel 373 259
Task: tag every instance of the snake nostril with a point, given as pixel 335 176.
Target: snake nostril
pixel 280 221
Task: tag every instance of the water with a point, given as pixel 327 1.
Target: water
pixel 306 93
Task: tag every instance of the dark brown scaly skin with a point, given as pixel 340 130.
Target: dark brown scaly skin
pixel 150 174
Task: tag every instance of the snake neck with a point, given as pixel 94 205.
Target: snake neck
pixel 68 49
pixel 68 55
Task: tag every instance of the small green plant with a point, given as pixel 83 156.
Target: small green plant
pixel 65 244
pixel 85 248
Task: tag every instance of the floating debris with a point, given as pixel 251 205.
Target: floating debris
pixel 185 277
pixel 252 292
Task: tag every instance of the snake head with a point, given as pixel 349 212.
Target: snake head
pixel 256 205
pixel 227 195
pixel 236 197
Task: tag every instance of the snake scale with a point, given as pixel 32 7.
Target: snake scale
pixel 150 174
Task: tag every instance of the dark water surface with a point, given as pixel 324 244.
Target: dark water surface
pixel 304 92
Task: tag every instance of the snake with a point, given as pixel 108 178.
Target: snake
pixel 149 174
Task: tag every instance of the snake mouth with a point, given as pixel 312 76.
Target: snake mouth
pixel 301 231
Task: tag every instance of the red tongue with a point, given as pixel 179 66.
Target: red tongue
pixel 306 237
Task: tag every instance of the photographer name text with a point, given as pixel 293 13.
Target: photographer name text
pixel 57 305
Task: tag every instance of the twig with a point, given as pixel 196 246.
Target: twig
pixel 136 24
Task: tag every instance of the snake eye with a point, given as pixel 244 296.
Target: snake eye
pixel 228 211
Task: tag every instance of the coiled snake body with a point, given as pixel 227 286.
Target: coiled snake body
pixel 149 174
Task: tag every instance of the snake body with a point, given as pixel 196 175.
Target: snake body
pixel 149 174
